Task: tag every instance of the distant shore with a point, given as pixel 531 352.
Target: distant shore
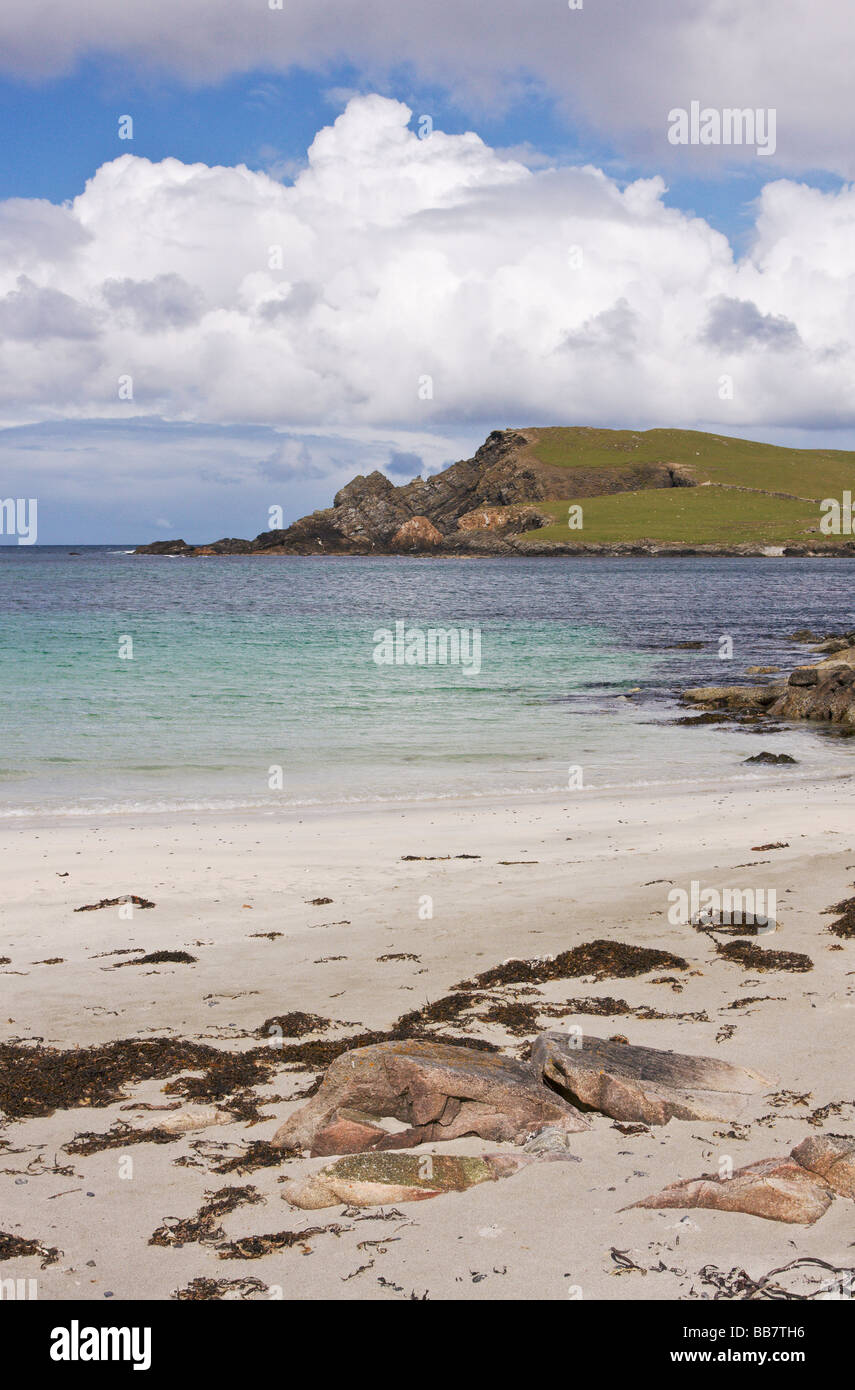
pixel 495 547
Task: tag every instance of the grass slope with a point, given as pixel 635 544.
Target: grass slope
pixel 717 514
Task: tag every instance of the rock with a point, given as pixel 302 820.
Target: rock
pixel 645 1084
pixel 229 545
pixel 384 1179
pixel 833 644
pixel 804 675
pixel 736 697
pixel 550 1141
pixel 368 508
pixel 369 1180
pixel 440 1090
pixel 193 1117
pixel 351 1132
pixel 831 1157
pixel 164 548
pixel 771 759
pixel 416 534
pixel 516 518
pixel 761 670
pixel 825 691
pixel 777 1189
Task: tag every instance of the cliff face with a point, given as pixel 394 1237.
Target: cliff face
pixel 474 506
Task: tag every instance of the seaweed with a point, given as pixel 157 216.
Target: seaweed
pixel 116 902
pixel 204 1228
pixel 158 958
pixel 201 1289
pixel 18 1247
pixel 255 1247
pixel 293 1025
pixel 121 1136
pixel 37 1080
pixel 752 957
pixel 845 925
pixel 602 958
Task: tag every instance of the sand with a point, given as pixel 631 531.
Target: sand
pixel 594 864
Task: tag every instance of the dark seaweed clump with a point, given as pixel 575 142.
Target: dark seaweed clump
pixel 752 957
pixel 120 1137
pixel 17 1247
pixel 116 902
pixel 293 1025
pixel 845 925
pixel 158 958
pixel 40 1080
pixel 201 1289
pixel 204 1227
pixel 254 1247
pixel 604 959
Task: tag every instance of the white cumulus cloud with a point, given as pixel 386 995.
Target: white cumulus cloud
pixel 419 284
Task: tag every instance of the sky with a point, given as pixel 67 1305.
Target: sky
pixel 250 249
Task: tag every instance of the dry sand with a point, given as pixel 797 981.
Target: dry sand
pixel 594 865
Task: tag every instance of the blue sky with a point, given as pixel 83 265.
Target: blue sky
pixel 57 133
pixel 402 261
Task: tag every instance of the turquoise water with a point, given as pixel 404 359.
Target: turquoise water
pixel 243 665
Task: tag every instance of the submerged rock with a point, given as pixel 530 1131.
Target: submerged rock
pixel 771 759
pixel 645 1084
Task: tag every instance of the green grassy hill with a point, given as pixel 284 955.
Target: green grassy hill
pixel 737 505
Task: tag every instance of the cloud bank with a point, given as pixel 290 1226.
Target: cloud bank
pixel 420 284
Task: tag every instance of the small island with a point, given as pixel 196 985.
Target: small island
pixel 585 492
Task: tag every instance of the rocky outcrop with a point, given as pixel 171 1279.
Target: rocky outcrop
pixel 735 697
pixel 439 1090
pixel 644 1084
pixel 823 690
pixel 166 548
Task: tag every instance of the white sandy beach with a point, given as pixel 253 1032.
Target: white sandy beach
pixel 593 865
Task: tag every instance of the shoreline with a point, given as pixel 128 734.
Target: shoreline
pixel 23 819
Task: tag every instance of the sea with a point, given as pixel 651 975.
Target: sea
pixel 135 685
